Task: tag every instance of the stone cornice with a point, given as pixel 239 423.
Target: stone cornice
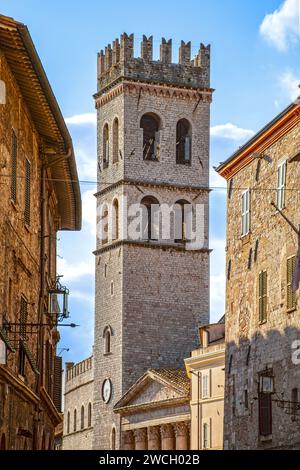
pixel 135 87
pixel 148 406
pixel 148 244
pixel 152 184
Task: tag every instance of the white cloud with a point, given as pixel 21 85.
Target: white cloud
pixel 289 83
pixel 89 210
pixel 74 271
pixel 231 131
pixel 282 27
pixel 82 119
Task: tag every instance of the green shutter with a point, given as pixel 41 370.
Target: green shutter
pixel 291 297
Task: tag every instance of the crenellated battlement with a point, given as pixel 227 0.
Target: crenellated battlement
pixel 118 61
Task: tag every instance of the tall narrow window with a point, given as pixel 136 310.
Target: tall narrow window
pixel 262 296
pixel 150 123
pixel 183 142
pixel 150 228
pixel 14 153
pixel 82 418
pixel 27 192
pixel 290 294
pixel 246 212
pixel 295 403
pixel 75 421
pixel 113 439
pixel 104 225
pixel 265 414
pixel 205 386
pixel 206 443
pixel 281 177
pixel 229 270
pixel 107 340
pixel 105 146
pixel 115 140
pixel 68 422
pixel 115 220
pixel 90 415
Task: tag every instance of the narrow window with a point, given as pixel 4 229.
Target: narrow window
pixel 107 341
pixel 248 355
pixel 246 400
pixel 291 295
pixel 75 421
pixel 206 444
pixel 104 225
pixel 105 270
pixel 149 228
pixel 205 386
pixel 68 422
pixel 112 288
pixel 14 153
pixel 90 415
pixel 295 403
pixel 230 364
pixel 229 270
pixel 265 414
pixel 256 251
pixel 82 418
pixel 115 221
pixel 262 296
pixel 183 142
pixel 281 178
pixel 150 123
pixel 250 259
pixel 113 439
pixel 105 146
pixel 245 212
pixel 115 140
pixel 27 192
pixel 258 170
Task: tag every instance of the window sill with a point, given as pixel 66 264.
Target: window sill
pixel 263 322
pixel 107 354
pixel 14 204
pixel 184 163
pixel 27 227
pixel 265 438
pixel 291 310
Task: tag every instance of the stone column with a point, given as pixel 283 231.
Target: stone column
pixel 127 440
pixel 154 441
pixel 182 436
pixel 167 437
pixel 140 436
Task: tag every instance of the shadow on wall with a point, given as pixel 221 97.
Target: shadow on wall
pixel 262 391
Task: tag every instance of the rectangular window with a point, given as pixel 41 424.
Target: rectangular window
pixel 230 188
pixel 262 296
pixel 112 288
pixel 246 212
pixel 295 403
pixel 290 294
pixel 27 192
pixel 229 270
pixel 206 436
pixel 205 386
pixel 281 178
pixel 14 152
pixel 265 414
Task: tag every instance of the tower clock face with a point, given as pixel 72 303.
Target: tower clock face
pixel 106 390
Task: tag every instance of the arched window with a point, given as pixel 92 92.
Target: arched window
pixel 116 140
pixel 68 422
pixel 90 415
pixel 82 418
pixel 150 224
pixel 183 142
pixel 115 220
pixel 107 339
pixel 75 421
pixel 105 146
pixel 183 220
pixel 150 123
pixel 113 438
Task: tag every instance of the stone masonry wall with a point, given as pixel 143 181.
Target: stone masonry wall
pixel 270 342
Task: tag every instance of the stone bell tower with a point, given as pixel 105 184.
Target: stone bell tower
pixel 153 149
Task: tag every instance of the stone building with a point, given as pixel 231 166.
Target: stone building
pixel 205 369
pixel 152 291
pixel 262 409
pixel 155 412
pixel 39 195
pixel 78 406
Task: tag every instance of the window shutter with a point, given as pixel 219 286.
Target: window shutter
pixel 291 296
pixel 23 318
pixel 265 414
pixel 57 390
pixel 27 191
pixel 14 152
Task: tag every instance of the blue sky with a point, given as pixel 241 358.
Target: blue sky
pixel 255 71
